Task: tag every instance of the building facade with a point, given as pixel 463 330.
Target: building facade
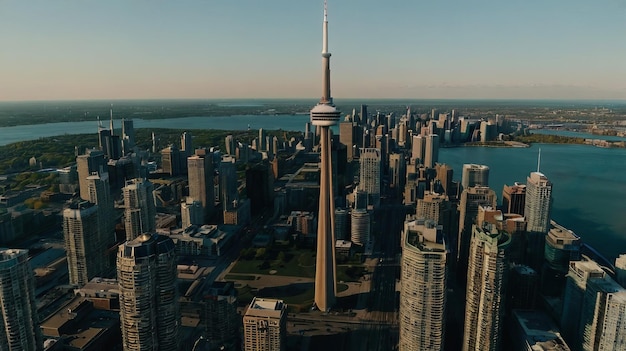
pixel 370 161
pixel 423 289
pixel 140 210
pixel 86 251
pixel 149 308
pixel 265 325
pixel 20 321
pixel 486 281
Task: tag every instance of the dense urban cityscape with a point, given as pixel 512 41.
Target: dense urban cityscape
pixel 350 233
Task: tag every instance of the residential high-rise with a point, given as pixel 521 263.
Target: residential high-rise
pixel 423 290
pixel 219 315
pixel 514 198
pixel 537 212
pixel 538 202
pixel 471 199
pixel 100 194
pixel 603 316
pixel 140 210
pixel 370 161
pixel 265 325
pixel 324 115
pixel 360 227
pixel 149 309
pixel 486 280
pixel 200 170
pixel 86 250
pixel 19 320
pixel 580 273
pixel 474 175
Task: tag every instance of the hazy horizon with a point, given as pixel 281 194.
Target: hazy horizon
pixel 452 50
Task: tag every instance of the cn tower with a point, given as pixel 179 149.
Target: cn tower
pixel 324 115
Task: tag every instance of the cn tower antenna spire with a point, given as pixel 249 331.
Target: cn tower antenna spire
pixel 326 98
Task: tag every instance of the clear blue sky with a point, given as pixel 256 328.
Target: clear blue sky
pixel 71 49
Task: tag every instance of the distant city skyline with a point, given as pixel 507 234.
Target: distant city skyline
pixel 254 49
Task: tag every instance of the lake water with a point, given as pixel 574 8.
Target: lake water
pixel 589 183
pixel 270 122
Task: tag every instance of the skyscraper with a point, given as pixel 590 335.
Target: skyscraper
pixel 128 136
pixel 370 162
pixel 191 213
pixel 140 210
pixel 486 279
pixel 149 309
pixel 99 194
pixel 423 289
pixel 19 321
pixel 538 202
pixel 537 213
pixel 200 170
pixel 431 152
pixel 86 251
pixel 324 115
pixel 86 165
pixel 603 316
pixel 228 182
pixel 514 198
pixel 417 149
pixel 471 199
pixel 265 325
pixel 580 272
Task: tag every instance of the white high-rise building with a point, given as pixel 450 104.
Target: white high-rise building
pixel 486 279
pixel 19 320
pixel 360 226
pixel 149 308
pixel 580 272
pixel 140 210
pixel 370 162
pixel 265 325
pixel 423 288
pixel 538 202
pixel 603 316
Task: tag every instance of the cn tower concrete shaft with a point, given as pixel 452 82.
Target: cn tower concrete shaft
pixel 325 271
